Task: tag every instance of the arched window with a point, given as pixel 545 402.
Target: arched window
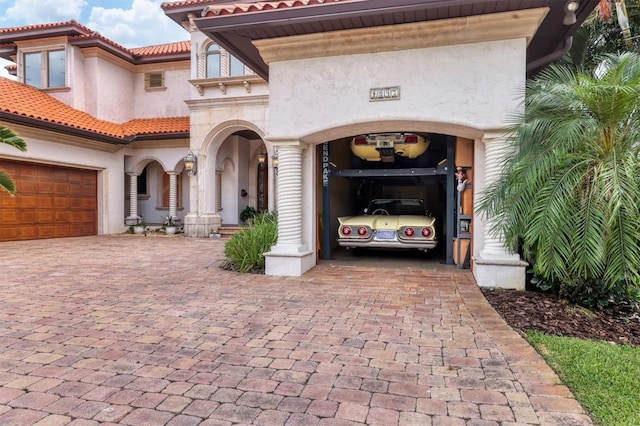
pixel 213 61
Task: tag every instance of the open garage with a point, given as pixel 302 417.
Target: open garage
pixel 50 201
pixel 349 183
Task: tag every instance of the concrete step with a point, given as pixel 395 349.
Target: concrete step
pixel 229 230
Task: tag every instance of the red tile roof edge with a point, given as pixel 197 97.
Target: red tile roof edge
pixel 20 100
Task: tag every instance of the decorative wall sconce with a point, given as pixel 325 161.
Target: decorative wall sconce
pixel 274 162
pixel 190 163
pixel 262 158
pixel 570 12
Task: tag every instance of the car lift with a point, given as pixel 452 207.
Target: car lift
pixel 445 168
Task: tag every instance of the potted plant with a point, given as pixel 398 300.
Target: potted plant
pixel 247 214
pixel 169 225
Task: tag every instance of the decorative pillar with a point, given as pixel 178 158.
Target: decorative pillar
pixel 496 266
pixel 133 217
pixel 173 195
pixel 290 256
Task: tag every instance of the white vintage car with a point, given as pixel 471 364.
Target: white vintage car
pixel 389 223
pixel 385 147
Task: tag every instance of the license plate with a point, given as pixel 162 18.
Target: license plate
pixel 386 235
pixel 384 144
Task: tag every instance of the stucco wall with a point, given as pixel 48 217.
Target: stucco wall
pixel 108 90
pixel 473 85
pixel 162 103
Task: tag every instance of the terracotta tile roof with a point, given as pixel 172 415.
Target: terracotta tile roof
pixel 169 5
pixel 163 49
pixel 237 8
pixel 81 28
pixel 26 101
pixel 149 126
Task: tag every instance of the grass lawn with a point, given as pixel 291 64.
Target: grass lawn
pixel 604 378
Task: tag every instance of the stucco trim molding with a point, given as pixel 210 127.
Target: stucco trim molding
pixel 444 32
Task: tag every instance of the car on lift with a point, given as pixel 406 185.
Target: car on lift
pixel 390 223
pixel 386 147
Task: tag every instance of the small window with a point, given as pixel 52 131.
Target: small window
pixel 154 80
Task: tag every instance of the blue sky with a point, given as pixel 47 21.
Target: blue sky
pixel 131 23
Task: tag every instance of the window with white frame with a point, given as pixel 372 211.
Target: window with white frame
pixel 213 61
pixel 219 63
pixel 45 69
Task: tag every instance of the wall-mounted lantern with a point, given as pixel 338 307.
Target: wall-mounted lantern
pixel 570 8
pixel 262 158
pixel 191 163
pixel 274 162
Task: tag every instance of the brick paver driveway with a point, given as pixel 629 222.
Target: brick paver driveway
pixel 149 331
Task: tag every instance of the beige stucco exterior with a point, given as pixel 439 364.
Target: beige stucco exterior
pixel 458 77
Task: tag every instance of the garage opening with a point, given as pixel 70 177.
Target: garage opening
pixel 50 202
pixel 379 168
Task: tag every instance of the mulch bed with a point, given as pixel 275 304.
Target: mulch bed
pixel 527 310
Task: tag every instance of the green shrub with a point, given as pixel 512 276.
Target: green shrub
pixel 247 214
pixel 244 252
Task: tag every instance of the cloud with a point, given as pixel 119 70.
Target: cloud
pixel 144 24
pixel 43 11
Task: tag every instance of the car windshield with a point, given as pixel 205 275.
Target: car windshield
pixel 398 207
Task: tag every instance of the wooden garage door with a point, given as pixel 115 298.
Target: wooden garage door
pixel 50 202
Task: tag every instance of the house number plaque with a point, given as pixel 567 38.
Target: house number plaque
pixel 384 93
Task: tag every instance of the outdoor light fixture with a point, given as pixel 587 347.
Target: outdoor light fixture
pixel 274 162
pixel 190 163
pixel 262 158
pixel 570 12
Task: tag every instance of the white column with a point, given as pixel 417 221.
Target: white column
pixel 290 256
pixel 133 196
pixel 496 150
pixel 173 195
pixel 496 266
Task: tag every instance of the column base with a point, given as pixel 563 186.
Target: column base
pixel 201 226
pixel 500 273
pixel 131 220
pixel 289 261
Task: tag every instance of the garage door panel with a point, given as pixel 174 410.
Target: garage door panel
pixel 43 202
pixel 88 203
pixel 10 216
pixel 60 188
pixel 27 201
pixel 89 188
pixel 50 202
pixel 61 203
pixel 24 185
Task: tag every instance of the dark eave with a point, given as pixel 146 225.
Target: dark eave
pixel 236 31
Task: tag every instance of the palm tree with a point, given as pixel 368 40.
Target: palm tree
pixel 9 137
pixel 613 27
pixel 569 197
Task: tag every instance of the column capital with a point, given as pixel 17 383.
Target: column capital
pixel 491 135
pixel 133 174
pixel 172 172
pixel 278 142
